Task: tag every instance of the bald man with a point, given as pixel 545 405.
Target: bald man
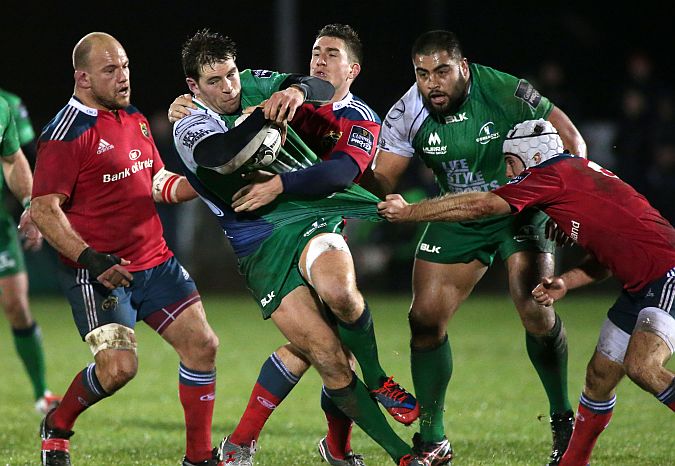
pixel 97 177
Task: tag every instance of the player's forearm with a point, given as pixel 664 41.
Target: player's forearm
pixel 18 175
pixel 456 208
pixel 587 272
pixel 184 190
pixel 315 90
pixel 55 227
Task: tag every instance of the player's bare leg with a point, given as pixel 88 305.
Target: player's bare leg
pixel 327 265
pixel 595 409
pixel 645 359
pixel 438 291
pixel 196 344
pixel 27 337
pixel 299 319
pixel 546 341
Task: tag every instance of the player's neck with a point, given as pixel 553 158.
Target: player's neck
pixel 90 101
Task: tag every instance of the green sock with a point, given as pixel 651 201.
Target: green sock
pixel 359 337
pixel 354 401
pixel 548 354
pixel 28 343
pixel 431 372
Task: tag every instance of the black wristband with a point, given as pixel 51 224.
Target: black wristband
pixel 96 262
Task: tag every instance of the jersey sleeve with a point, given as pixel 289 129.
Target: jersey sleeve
pixel 9 139
pixel 267 81
pixel 401 124
pixel 358 140
pixel 518 97
pixel 190 131
pixel 57 167
pixel 532 188
pixel 157 162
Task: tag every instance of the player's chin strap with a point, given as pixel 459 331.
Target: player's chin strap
pixel 111 336
pixel 165 186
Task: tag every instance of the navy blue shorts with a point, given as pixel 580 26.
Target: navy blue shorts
pixel 157 296
pixel 659 293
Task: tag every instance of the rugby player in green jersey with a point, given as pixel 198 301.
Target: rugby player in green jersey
pixel 295 262
pixel 17 132
pixel 455 118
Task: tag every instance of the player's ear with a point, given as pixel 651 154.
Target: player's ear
pixel 192 85
pixel 82 79
pixel 355 70
pixel 537 158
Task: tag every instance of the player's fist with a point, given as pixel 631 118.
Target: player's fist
pixel 394 208
pixel 107 268
pixel 549 290
pixel 32 238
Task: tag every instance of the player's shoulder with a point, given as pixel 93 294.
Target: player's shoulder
pixel 70 122
pixel 13 100
pixel 503 87
pixel 355 108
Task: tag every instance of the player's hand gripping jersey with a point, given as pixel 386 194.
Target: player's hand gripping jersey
pixel 246 231
pixel 464 150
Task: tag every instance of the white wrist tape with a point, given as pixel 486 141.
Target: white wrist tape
pixel 165 186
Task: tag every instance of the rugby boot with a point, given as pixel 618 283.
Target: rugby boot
pixel 213 461
pixel 410 460
pixel 436 453
pixel 47 402
pixel 232 454
pixel 55 443
pixel 350 458
pixel 561 430
pixel 398 402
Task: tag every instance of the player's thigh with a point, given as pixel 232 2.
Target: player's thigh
pixel 300 320
pixel 327 265
pixel 14 299
pixel 439 289
pixel 92 304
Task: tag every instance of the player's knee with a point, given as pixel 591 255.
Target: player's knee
pixel 347 304
pixel 17 312
pixel 424 326
pixel 640 370
pixel 117 370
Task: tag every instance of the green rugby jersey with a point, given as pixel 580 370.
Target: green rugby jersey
pixel 9 139
pixel 464 149
pixel 24 127
pixel 246 231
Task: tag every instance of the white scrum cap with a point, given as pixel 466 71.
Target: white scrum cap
pixel 533 137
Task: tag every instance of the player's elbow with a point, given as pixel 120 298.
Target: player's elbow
pixel 43 209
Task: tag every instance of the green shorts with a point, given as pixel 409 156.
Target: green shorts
pixel 271 272
pixel 11 255
pixel 454 243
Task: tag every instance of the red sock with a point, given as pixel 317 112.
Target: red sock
pixel 84 391
pixel 260 407
pixel 339 435
pixel 197 391
pixel 587 428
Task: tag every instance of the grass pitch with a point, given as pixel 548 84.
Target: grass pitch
pixel 496 409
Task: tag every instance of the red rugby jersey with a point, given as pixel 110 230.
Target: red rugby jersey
pixel 603 214
pixel 349 126
pixel 104 163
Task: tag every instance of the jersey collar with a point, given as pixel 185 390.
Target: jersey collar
pixel 343 102
pixel 75 102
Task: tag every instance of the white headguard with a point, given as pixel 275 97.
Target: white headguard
pixel 533 137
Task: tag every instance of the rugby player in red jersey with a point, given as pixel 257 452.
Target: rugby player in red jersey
pixel 624 237
pixel 97 177
pixel 343 133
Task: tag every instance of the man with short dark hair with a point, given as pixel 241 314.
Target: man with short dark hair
pixel 454 118
pixel 285 226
